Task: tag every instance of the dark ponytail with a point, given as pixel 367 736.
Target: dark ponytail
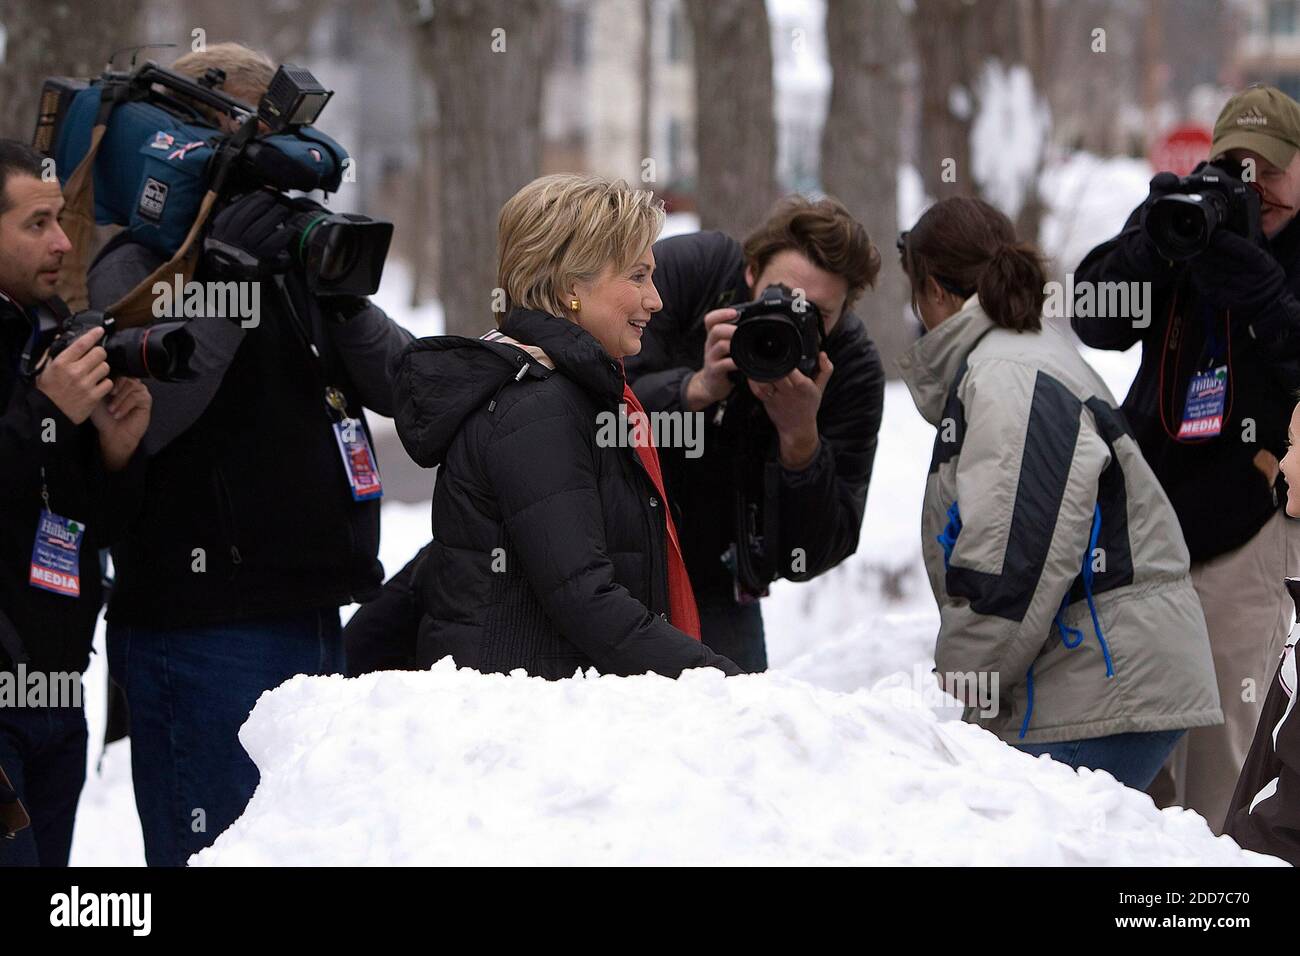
pixel 1010 287
pixel 970 247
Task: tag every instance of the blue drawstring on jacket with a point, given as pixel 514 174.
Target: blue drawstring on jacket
pixel 948 537
pixel 1072 637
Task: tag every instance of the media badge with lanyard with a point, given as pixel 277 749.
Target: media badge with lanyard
pixel 1203 411
pixel 359 462
pixel 56 555
pixel 354 445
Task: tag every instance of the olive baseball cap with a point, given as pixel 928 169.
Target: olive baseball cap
pixel 1262 119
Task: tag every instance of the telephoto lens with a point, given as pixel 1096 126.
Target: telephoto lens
pixel 161 351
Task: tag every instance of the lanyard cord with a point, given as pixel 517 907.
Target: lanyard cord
pixel 335 400
pixel 1164 359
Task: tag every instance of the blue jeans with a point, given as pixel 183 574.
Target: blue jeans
pixel 43 753
pixel 188 691
pixel 1132 759
pixel 735 631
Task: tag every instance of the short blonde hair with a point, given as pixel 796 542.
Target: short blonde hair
pixel 248 71
pixel 564 228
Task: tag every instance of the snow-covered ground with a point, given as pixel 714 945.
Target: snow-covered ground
pixel 845 752
pixel 454 767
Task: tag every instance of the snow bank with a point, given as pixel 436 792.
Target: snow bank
pixel 455 767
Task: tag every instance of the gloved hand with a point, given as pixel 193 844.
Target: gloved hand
pixel 248 239
pixel 1162 184
pixel 1236 274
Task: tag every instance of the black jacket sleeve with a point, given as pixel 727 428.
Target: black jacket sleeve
pixel 1129 257
pixel 541 464
pixel 822 505
pixel 369 344
pixel 177 405
pixel 691 271
pixel 383 634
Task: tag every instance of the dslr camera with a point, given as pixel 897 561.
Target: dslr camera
pixel 161 351
pixel 1213 197
pixel 775 334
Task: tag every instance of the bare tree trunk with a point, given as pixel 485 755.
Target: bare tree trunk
pixel 947 40
pixel 735 128
pixel 955 41
pixel 866 42
pixel 487 59
pixel 645 127
pixel 56 39
pixel 1033 40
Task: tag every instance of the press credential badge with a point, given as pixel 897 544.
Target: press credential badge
pixel 1203 413
pixel 56 556
pixel 358 460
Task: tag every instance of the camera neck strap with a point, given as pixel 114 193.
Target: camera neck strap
pixel 335 400
pixel 136 307
pixel 756 523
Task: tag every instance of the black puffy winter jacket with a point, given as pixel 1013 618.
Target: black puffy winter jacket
pixel 548 550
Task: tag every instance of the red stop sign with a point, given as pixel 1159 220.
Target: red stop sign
pixel 1179 150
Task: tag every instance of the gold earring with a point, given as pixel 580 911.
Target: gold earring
pixel 575 305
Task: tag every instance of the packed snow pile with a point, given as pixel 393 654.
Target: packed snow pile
pixel 450 766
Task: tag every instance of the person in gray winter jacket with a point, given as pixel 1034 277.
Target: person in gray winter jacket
pixel 1069 625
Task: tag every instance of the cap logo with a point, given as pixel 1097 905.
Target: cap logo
pixel 1252 117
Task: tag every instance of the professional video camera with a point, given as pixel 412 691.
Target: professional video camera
pixel 161 154
pixel 161 351
pixel 775 334
pixel 1212 197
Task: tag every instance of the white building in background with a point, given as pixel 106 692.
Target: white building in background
pixel 1268 50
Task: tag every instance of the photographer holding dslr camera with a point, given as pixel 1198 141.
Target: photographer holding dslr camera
pixel 1212 401
pixel 69 433
pixel 760 341
pixel 261 509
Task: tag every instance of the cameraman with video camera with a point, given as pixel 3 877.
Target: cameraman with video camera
pixel 261 512
pixel 1212 400
pixel 791 392
pixel 69 469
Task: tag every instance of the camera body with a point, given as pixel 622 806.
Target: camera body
pixel 161 351
pixel 1213 197
pixel 775 334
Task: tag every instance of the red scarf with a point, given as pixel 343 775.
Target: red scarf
pixel 683 613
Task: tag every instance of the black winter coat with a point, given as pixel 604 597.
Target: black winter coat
pixel 548 551
pixel 54 631
pixel 257 482
pixel 1221 498
pixel 820 508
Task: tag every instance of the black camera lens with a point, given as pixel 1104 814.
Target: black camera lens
pixel 339 250
pixel 1181 225
pixel 340 254
pixel 766 348
pixel 161 351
